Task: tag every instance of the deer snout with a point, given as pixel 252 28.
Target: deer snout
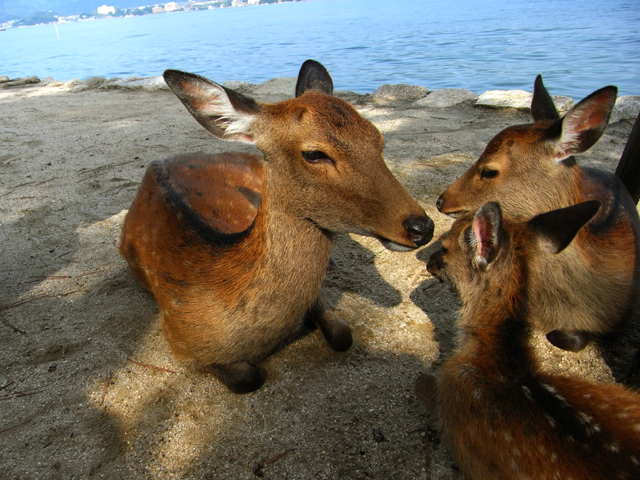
pixel 435 263
pixel 450 209
pixel 420 229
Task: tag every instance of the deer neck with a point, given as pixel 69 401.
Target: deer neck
pixel 568 185
pixel 495 331
pixel 293 245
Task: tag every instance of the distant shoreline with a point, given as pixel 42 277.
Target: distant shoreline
pixel 47 18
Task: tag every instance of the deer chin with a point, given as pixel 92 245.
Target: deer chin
pixel 393 246
pixel 456 214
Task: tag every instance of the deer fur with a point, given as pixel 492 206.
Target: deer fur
pixel 234 246
pixel 500 416
pixel 592 287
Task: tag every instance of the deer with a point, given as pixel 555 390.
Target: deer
pixel 234 246
pixel 498 414
pixel 592 288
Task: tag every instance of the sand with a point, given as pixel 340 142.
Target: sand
pixel 88 388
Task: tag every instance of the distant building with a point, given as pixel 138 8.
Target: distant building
pixel 104 10
pixel 253 2
pixel 171 6
pixel 157 9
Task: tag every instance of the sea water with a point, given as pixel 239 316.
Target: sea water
pixel 578 46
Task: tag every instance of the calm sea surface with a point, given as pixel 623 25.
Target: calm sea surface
pixel 578 45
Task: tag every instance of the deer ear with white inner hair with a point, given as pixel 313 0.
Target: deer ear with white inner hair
pixel 222 111
pixel 583 125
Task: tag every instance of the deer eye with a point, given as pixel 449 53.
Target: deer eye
pixel 316 156
pixel 488 173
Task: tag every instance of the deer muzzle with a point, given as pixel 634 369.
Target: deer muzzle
pixel 418 232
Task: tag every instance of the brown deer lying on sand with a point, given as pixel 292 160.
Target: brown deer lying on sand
pixel 234 247
pixel 593 286
pixel 500 417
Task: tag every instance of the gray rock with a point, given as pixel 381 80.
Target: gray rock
pixel 79 88
pixel 447 97
pixel 150 84
pixel 111 83
pixel 47 81
pixel 4 78
pixel 74 82
pixel 519 99
pixel 94 82
pixel 352 97
pixel 20 82
pixel 400 92
pixel 626 108
pixel 240 86
pixel 54 83
pixel 277 86
pixel 154 84
pixel 563 104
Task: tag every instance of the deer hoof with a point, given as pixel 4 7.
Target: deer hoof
pixel 240 377
pixel 570 340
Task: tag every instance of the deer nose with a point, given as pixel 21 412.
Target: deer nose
pixel 420 229
pixel 439 203
pixel 435 264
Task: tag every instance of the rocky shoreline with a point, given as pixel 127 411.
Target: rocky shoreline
pixel 627 106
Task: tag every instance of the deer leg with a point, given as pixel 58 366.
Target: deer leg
pixel 426 390
pixel 335 330
pixel 571 340
pixel 239 377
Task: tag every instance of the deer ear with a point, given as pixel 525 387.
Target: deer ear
pixel 487 230
pixel 222 111
pixel 556 229
pixel 313 76
pixel 542 106
pixel 584 124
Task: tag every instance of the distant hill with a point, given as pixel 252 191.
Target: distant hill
pixel 13 9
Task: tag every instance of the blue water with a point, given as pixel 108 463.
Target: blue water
pixel 578 46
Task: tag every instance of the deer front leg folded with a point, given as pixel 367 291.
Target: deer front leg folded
pixel 335 331
pixel 239 377
pixel 570 340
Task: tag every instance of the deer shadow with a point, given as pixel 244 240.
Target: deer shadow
pixel 352 270
pixel 441 304
pixel 621 352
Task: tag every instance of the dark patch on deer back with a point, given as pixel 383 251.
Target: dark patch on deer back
pixel 216 196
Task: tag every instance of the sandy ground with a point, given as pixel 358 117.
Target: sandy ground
pixel 88 388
